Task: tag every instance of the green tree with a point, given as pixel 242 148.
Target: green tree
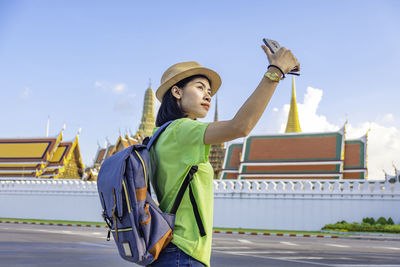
pixel 381 221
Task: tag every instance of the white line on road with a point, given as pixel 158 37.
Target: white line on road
pixel 244 241
pixel 337 245
pixel 300 258
pixel 231 248
pixel 94 245
pixel 267 252
pixel 282 259
pixel 391 248
pixel 288 243
pixel 62 232
pixel 366 265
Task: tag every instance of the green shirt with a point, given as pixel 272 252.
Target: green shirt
pixel 178 148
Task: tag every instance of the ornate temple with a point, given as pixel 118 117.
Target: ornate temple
pixel 47 157
pixel 124 141
pixel 296 155
pixel 217 152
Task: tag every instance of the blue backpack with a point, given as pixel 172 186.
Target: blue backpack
pixel 140 229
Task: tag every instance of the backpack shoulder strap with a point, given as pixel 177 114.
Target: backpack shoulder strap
pixel 181 192
pixel 154 138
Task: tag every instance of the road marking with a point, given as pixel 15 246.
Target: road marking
pixel 300 258
pixel 337 245
pixel 94 245
pixel 391 248
pixel 62 232
pixel 288 243
pixel 365 265
pixel 267 252
pixel 309 263
pixel 230 247
pixel 244 241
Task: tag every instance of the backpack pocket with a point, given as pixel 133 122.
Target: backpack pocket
pixel 127 244
pixel 156 228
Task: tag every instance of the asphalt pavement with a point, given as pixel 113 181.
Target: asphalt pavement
pixel 43 245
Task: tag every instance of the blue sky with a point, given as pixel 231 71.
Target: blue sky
pixel 88 63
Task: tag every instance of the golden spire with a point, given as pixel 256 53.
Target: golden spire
pixel 293 124
pixel 148 120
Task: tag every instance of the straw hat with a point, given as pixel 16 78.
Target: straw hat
pixel 182 70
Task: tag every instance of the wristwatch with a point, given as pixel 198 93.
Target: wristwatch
pixel 272 76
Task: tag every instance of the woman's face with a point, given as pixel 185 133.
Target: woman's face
pixel 195 98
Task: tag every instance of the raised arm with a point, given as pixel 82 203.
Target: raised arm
pixel 251 111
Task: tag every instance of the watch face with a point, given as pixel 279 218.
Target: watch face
pixel 272 76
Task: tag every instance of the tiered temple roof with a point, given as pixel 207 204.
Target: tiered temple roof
pixel 296 155
pixel 40 158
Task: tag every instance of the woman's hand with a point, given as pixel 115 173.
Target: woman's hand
pixel 251 111
pixel 283 58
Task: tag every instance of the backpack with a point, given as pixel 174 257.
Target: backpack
pixel 140 229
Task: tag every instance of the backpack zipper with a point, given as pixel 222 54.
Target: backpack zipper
pixel 123 229
pixel 126 196
pixel 144 167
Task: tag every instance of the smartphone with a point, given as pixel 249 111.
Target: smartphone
pixel 274 47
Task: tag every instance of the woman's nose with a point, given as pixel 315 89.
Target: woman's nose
pixel 208 97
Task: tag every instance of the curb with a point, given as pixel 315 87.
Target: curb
pixel 54 224
pixel 276 234
pixel 216 231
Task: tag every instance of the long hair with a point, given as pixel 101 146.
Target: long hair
pixel 169 109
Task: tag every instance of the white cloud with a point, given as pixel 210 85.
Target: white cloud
pixel 26 93
pixel 119 88
pixel 113 87
pixel 383 140
pixel 383 147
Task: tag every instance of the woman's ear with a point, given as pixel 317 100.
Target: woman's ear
pixel 176 92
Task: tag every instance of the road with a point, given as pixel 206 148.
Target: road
pixel 42 245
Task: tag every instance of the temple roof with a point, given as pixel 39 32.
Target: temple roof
pixel 294 147
pixel 325 155
pixel 28 149
pixel 37 157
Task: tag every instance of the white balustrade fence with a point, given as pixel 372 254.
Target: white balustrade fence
pixel 266 204
pixel 301 205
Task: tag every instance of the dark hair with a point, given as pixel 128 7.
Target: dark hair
pixel 169 109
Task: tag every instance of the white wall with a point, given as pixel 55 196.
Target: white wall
pixel 296 205
pixel 290 205
pixel 71 200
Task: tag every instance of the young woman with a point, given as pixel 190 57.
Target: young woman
pixel 185 94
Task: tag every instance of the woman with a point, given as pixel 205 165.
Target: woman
pixel 185 94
